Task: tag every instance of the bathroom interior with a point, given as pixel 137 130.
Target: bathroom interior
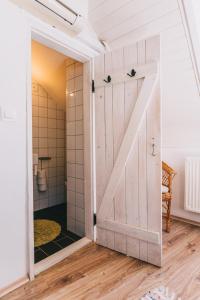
pixel 58 158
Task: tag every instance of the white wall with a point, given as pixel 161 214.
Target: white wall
pixel 13 250
pixel 122 22
pixel 14 57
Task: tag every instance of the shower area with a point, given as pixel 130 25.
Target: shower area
pixel 58 158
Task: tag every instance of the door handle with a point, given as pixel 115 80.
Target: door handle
pixel 153 147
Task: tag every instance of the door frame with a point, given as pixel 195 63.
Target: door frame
pixel 58 41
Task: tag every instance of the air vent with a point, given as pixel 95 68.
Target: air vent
pixel 60 9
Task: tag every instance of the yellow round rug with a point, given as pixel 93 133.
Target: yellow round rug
pixel 45 231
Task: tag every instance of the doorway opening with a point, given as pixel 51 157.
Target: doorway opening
pixel 58 151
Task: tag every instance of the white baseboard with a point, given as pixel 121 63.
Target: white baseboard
pixel 13 286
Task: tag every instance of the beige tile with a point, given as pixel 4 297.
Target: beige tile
pixel 35 111
pixel 60 115
pixel 79 142
pixel 80 200
pixel 52 133
pixel 79 112
pixel 79 127
pixel 80 214
pixel 71 224
pixel 60 124
pixel 51 113
pixel 35 100
pixel 79 171
pixel 78 85
pixel 71 170
pixel 43 142
pixel 79 97
pixel 71 210
pixel 42 101
pixel 35 121
pixel 43 132
pixel 71 142
pixel 71 184
pixel 71 114
pixel 60 143
pixel 60 171
pixel 79 156
pixel 71 128
pixel 78 69
pixel 51 103
pixel 60 133
pixel 70 86
pixel 52 172
pixel 52 123
pixel 52 152
pixel 43 203
pixel 35 143
pixel 71 197
pixel 41 91
pixel 60 152
pixel 52 143
pixel 71 156
pixel 43 112
pixel 35 132
pixel 79 185
pixel 70 72
pixel 80 228
pixel 60 161
pixel 43 152
pixel 70 101
pixel 42 122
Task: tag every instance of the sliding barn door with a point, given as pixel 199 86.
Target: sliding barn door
pixel 128 161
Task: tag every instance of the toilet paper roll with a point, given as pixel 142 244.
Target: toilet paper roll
pixel 42 187
pixel 41 173
pixel 41 180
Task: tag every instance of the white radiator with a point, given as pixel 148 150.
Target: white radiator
pixel 192 184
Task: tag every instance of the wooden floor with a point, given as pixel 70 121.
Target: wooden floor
pixel 98 273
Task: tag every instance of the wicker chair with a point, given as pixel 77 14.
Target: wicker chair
pixel 167 176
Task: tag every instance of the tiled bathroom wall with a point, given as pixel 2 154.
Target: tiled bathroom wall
pixel 74 148
pixel 48 140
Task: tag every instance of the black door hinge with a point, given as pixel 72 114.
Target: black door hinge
pixel 93 87
pixel 94 219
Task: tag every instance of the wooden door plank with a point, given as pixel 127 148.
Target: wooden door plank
pixel 100 143
pixel 109 139
pixel 131 171
pixel 154 162
pixel 142 161
pixel 118 134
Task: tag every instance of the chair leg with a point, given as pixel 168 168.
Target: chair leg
pixel 168 216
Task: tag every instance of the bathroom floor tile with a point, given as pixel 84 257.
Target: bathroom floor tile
pixel 51 248
pixel 39 255
pixel 65 242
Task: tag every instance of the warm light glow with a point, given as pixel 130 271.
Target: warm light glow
pixel 71 94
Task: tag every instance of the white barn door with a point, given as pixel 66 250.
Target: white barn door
pixel 128 158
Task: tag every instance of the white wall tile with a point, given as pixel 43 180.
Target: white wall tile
pixel 80 229
pixel 80 214
pixel 71 142
pixel 79 142
pixel 80 200
pixel 71 197
pixel 42 112
pixel 71 128
pixel 71 224
pixel 52 123
pixel 71 156
pixel 79 156
pixel 43 132
pixel 42 101
pixel 42 122
pixel 79 185
pixel 71 210
pixel 71 183
pixel 79 97
pixel 79 112
pixel 79 171
pixel 71 170
pixel 78 85
pixel 51 113
pixel 79 127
